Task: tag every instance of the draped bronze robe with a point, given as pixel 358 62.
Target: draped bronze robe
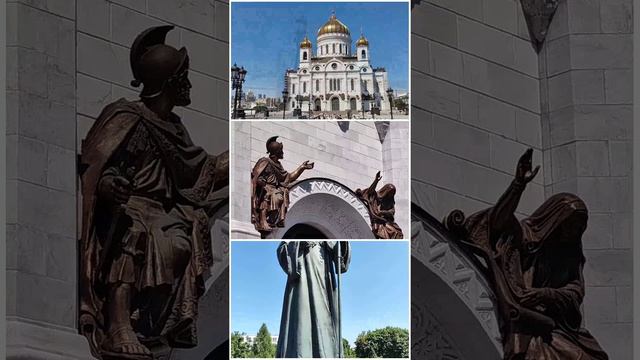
pixel 381 207
pixel 309 323
pixel 176 185
pixel 524 255
pixel 269 191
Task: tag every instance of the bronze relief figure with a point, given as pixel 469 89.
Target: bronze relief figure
pixel 270 184
pixel 147 196
pixel 381 206
pixel 534 267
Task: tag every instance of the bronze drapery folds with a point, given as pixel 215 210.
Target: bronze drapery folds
pixel 381 206
pixel 270 184
pixel 535 268
pixel 147 196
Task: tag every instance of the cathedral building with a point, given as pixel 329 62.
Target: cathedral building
pixel 336 77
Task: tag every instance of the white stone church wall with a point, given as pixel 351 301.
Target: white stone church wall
pixel 475 104
pixel 351 158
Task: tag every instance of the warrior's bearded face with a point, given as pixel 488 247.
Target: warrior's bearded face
pixel 276 149
pixel 180 88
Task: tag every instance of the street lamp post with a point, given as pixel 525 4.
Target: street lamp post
pixel 390 95
pixel 309 106
pixel 285 95
pixel 299 106
pixel 237 78
pixel 365 95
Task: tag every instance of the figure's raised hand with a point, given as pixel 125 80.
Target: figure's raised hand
pixel 378 176
pixel 307 165
pixel 524 172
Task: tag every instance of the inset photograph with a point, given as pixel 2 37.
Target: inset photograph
pixel 320 180
pixel 301 60
pixel 320 299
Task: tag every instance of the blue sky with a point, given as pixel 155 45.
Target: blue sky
pixel 265 37
pixel 375 290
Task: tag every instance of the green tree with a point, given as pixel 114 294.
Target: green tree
pixel 347 349
pixel 262 346
pixel 239 348
pixel 400 104
pixel 389 342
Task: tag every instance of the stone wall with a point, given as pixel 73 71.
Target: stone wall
pixel 66 60
pixel 475 104
pixel 41 181
pixel 106 30
pixel 488 95
pixel 587 135
pixel 351 158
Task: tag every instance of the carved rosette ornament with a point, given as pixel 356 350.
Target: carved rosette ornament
pixel 270 184
pixel 538 14
pixel 381 206
pixel 149 196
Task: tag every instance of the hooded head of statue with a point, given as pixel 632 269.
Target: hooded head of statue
pixel 559 222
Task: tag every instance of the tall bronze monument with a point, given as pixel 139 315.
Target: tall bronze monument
pixel 270 184
pixel 147 196
pixel 534 267
pixel 381 205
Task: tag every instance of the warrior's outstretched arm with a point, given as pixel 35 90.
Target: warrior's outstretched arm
pixel 293 176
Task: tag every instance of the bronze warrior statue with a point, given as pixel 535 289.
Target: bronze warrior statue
pixel 535 268
pixel 270 184
pixel 147 196
pixel 381 205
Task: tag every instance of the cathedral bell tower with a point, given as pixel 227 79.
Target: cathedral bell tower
pixel 305 51
pixel 362 49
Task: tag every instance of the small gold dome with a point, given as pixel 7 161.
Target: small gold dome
pixel 305 44
pixel 362 41
pixel 333 26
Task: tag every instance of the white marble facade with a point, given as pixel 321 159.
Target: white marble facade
pixel 337 74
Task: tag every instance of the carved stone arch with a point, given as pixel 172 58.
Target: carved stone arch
pixel 328 206
pixel 453 314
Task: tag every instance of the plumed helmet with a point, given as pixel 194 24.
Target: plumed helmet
pixel 153 62
pixel 273 145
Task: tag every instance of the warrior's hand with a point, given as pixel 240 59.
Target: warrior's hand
pixel 116 189
pixel 307 165
pixel 524 174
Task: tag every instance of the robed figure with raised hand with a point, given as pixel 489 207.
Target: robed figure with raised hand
pixel 381 205
pixel 535 269
pixel 270 184
pixel 310 323
pixel 147 196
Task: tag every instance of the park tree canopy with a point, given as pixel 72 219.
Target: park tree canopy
pixel 389 342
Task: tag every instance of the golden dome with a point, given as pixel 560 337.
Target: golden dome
pixel 333 26
pixel 305 43
pixel 362 41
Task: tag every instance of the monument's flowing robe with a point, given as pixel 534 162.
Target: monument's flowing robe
pixel 272 195
pixel 524 255
pixel 174 185
pixel 309 324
